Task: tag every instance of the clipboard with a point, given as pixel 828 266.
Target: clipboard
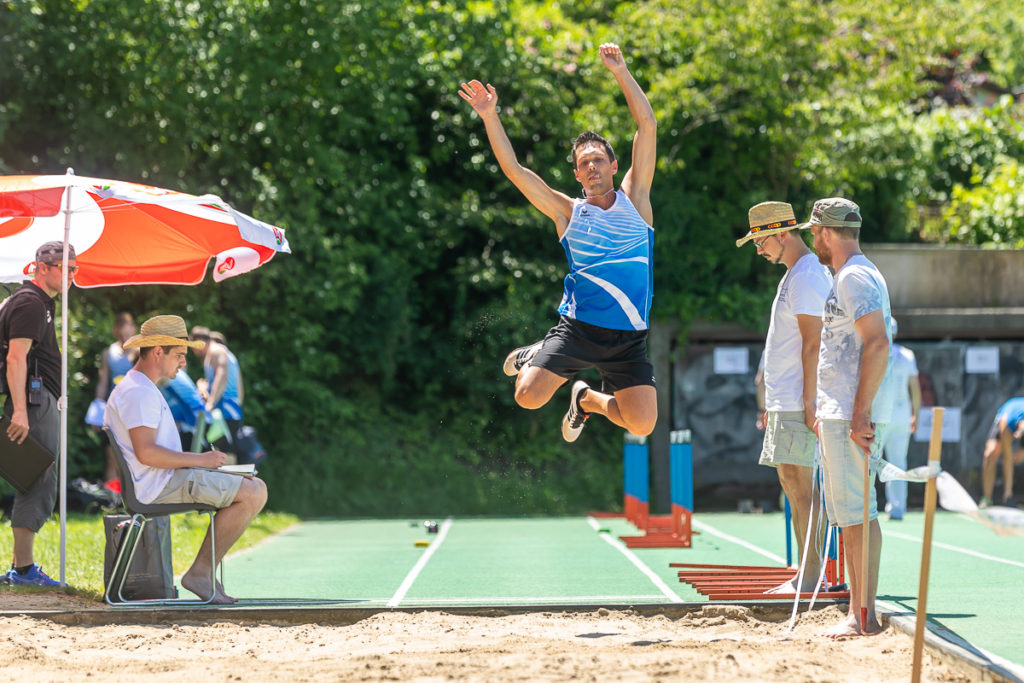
pixel 22 465
pixel 241 470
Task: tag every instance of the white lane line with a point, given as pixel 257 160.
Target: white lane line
pixel 708 529
pixel 637 562
pixel 954 549
pixel 414 573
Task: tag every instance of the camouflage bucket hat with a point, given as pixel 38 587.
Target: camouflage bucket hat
pixel 834 212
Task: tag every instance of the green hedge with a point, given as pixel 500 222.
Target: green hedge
pixel 372 353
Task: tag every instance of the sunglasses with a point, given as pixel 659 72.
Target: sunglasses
pixel 71 269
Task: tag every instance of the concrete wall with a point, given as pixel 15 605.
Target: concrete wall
pixel 721 409
pixel 946 299
pixel 953 292
pixel 931 276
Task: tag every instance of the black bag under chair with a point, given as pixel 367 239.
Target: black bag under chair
pixel 247 447
pixel 150 574
pixel 142 515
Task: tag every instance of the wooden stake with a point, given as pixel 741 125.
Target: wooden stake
pixel 934 453
pixel 865 542
pixel 865 546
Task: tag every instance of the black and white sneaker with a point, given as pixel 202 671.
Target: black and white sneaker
pixel 517 360
pixel 572 423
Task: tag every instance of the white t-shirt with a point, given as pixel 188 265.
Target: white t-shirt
pixel 903 366
pixel 136 402
pixel 858 290
pixel 802 291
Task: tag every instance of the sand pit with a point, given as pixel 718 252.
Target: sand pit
pixel 720 643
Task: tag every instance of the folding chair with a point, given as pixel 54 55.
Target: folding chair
pixel 141 514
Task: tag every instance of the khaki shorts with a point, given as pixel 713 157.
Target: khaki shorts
pixel 787 440
pixel 842 467
pixel 188 485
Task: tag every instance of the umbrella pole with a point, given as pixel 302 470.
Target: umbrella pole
pixel 63 404
pixel 934 456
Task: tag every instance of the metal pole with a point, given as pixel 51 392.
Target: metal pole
pixel 62 405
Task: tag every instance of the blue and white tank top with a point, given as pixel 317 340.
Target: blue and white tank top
pixel 118 363
pixel 229 404
pixel 610 253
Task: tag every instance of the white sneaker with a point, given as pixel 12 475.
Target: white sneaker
pixel 517 360
pixel 575 418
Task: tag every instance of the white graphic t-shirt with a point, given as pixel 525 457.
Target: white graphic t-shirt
pixel 859 289
pixel 136 402
pixel 802 291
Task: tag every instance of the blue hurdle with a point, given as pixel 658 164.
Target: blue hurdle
pixel 663 531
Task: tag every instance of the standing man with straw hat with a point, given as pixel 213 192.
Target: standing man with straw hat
pixel 790 371
pixel 852 363
pixel 141 422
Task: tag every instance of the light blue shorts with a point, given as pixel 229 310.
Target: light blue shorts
pixel 842 467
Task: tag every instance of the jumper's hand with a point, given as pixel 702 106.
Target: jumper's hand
pixel 611 55
pixel 483 100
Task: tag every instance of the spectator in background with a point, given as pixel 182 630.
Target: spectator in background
pixel 759 391
pixel 186 403
pixel 115 362
pixel 221 385
pixel 895 438
pixel 1007 427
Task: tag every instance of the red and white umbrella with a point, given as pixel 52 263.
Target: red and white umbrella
pixel 126 233
pixel 123 234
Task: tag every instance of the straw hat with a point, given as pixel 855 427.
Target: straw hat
pixel 163 330
pixel 768 218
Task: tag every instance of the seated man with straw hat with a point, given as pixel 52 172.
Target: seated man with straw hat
pixel 141 422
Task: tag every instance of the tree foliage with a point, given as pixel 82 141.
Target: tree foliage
pixel 371 353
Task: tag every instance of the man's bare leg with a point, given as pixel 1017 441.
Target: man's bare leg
pixel 229 523
pixel 535 387
pixel 24 540
pixel 852 544
pixel 798 483
pixel 988 468
pixel 635 409
pixel 1006 441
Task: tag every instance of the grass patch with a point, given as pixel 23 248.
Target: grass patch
pixel 85 541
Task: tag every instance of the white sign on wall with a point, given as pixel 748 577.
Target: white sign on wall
pixel 982 360
pixel 950 425
pixel 731 360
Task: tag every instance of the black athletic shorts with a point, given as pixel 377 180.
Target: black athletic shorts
pixel 619 356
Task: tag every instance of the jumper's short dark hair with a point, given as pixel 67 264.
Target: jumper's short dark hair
pixel 590 136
